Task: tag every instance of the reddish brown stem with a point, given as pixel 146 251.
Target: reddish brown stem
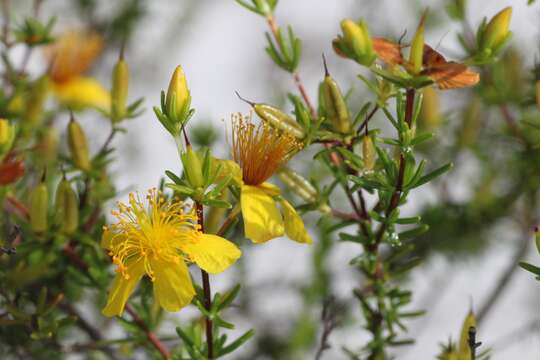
pixel 149 334
pixel 207 291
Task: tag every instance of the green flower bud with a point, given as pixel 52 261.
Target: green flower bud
pixel 78 145
pixel 356 42
pixel 36 101
pixel 39 200
pixel 279 120
pixel 497 30
pixel 193 168
pixel 301 187
pixel 417 49
pixel 368 153
pixel 178 97
pixel 7 136
pixel 67 208
pixel 48 146
pixel 335 106
pixel 119 90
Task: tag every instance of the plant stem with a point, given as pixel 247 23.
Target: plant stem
pixel 206 289
pixel 149 334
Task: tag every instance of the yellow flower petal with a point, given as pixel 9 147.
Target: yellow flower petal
pixel 172 285
pixel 122 288
pixel 212 253
pixel 262 220
pixel 294 226
pixel 82 92
pixel 109 239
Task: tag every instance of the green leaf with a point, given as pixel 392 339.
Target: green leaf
pixel 529 267
pixel 236 343
pixel 432 175
pixel 173 177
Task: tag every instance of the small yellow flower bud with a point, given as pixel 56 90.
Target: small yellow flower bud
pixel 193 167
pixel 7 136
pixel 119 90
pixel 464 350
pixel 357 41
pixel 78 145
pixel 39 202
pixel 335 106
pixel 178 97
pixel 67 208
pixel 417 49
pixel 368 153
pixel 497 30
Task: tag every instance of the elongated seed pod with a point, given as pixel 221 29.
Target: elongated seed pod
pixel 279 120
pixel 39 200
pixel 119 90
pixel 335 106
pixel 67 208
pixel 78 145
pixel 464 352
pixel 38 95
pixel 368 152
pixel 298 184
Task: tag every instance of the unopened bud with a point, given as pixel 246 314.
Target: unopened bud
pixel 39 202
pixel 335 106
pixel 178 97
pixel 497 30
pixel 67 208
pixel 301 187
pixel 36 102
pixel 368 153
pixel 464 351
pixel 78 145
pixel 48 146
pixel 279 120
pixel 356 42
pixel 119 91
pixel 7 136
pixel 193 168
pixel 416 54
pixel 430 113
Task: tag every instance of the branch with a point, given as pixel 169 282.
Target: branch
pixel 329 323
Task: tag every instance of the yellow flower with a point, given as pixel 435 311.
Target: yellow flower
pixel 260 151
pixel 157 240
pixel 71 56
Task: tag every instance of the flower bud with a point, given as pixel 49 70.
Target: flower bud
pixel 368 153
pixel 178 97
pixel 36 101
pixel 39 202
pixel 355 42
pixel 7 136
pixel 301 187
pixel 193 168
pixel 48 146
pixel 416 54
pixel 430 113
pixel 464 351
pixel 497 30
pixel 119 90
pixel 78 145
pixel 335 106
pixel 279 120
pixel 67 208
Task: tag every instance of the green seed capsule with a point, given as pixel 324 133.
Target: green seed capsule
pixel 335 106
pixel 119 90
pixel 39 199
pixel 38 95
pixel 78 145
pixel 368 152
pixel 298 184
pixel 279 120
pixel 193 167
pixel 67 208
